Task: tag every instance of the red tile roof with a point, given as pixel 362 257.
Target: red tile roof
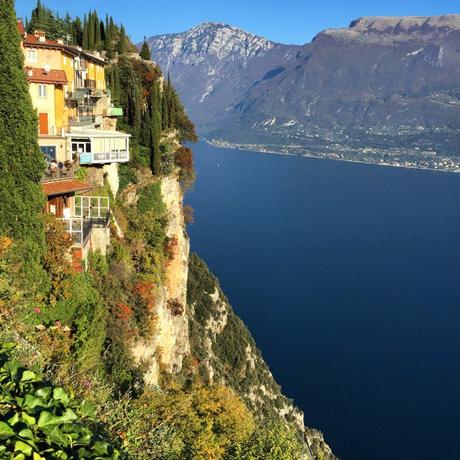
pixel 63 187
pixel 33 40
pixel 53 77
pixel 21 29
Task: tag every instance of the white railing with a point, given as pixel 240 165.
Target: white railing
pixel 113 156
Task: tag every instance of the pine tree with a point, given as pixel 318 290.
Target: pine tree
pixel 21 162
pixel 145 51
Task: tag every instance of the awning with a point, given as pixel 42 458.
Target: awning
pixel 64 187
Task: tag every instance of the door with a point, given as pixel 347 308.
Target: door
pixel 43 119
pixel 56 206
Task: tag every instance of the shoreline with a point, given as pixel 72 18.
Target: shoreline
pixel 242 147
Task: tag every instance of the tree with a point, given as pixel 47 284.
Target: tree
pixel 21 161
pixel 130 96
pixel 155 128
pixel 145 51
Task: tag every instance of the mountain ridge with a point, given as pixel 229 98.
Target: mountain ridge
pixel 383 83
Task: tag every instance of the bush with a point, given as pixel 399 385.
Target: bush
pixel 151 199
pixel 41 421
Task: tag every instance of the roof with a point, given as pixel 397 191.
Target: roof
pixel 53 77
pixel 62 187
pixel 77 50
pixel 76 131
pixel 34 41
pixel 21 29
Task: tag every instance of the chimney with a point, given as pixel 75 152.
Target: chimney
pixel 60 41
pixel 41 35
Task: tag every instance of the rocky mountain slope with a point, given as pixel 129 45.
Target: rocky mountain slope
pixel 384 88
pixel 214 64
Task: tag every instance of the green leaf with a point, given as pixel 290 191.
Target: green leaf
pixel 100 448
pixel 87 410
pixel 27 434
pixel 44 393
pixel 38 457
pixel 57 437
pixel 19 457
pixel 47 419
pixel 31 402
pixel 60 395
pixel 5 431
pixel 28 419
pixel 14 419
pixel 21 446
pixel 28 376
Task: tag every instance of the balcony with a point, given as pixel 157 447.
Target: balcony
pixel 59 171
pixel 95 208
pixel 82 120
pixel 117 156
pixel 90 84
pixel 79 228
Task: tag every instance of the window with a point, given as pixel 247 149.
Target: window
pixel 32 55
pixel 42 90
pixel 49 152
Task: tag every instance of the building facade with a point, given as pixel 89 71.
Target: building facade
pixel 77 129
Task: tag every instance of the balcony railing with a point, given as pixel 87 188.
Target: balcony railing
pixel 59 170
pixel 91 84
pixel 116 156
pixel 82 120
pixel 79 228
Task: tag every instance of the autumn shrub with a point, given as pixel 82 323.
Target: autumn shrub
pixel 57 261
pixel 184 160
pixel 175 307
pixel 189 217
pixel 170 246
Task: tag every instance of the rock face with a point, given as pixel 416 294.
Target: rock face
pixel 214 64
pixel 382 83
pixel 170 343
pixel 226 353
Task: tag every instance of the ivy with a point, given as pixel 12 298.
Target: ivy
pixel 40 421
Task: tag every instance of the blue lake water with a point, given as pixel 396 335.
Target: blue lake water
pixel 348 276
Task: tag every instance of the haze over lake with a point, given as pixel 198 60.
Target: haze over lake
pixel 348 277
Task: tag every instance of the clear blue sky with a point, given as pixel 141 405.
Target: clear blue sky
pixel 288 21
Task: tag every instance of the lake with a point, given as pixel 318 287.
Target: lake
pixel 348 276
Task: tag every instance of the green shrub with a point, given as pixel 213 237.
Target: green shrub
pixel 151 199
pixel 40 421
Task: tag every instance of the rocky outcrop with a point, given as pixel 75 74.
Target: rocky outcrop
pixel 226 353
pixel 169 344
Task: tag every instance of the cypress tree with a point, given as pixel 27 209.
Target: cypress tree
pixel 155 130
pixel 145 51
pixel 122 41
pixel 130 96
pixel 21 162
pixel 85 40
pixel 91 31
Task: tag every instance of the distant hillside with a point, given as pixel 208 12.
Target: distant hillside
pixel 384 83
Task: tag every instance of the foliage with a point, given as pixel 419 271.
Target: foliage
pixel 151 199
pixel 21 162
pixel 197 422
pixel 184 160
pixel 274 441
pixel 145 51
pixel 56 260
pixel 41 421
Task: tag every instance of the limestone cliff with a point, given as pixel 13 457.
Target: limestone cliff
pixel 193 319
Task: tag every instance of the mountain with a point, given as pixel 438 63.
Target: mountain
pixel 214 64
pixel 383 89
